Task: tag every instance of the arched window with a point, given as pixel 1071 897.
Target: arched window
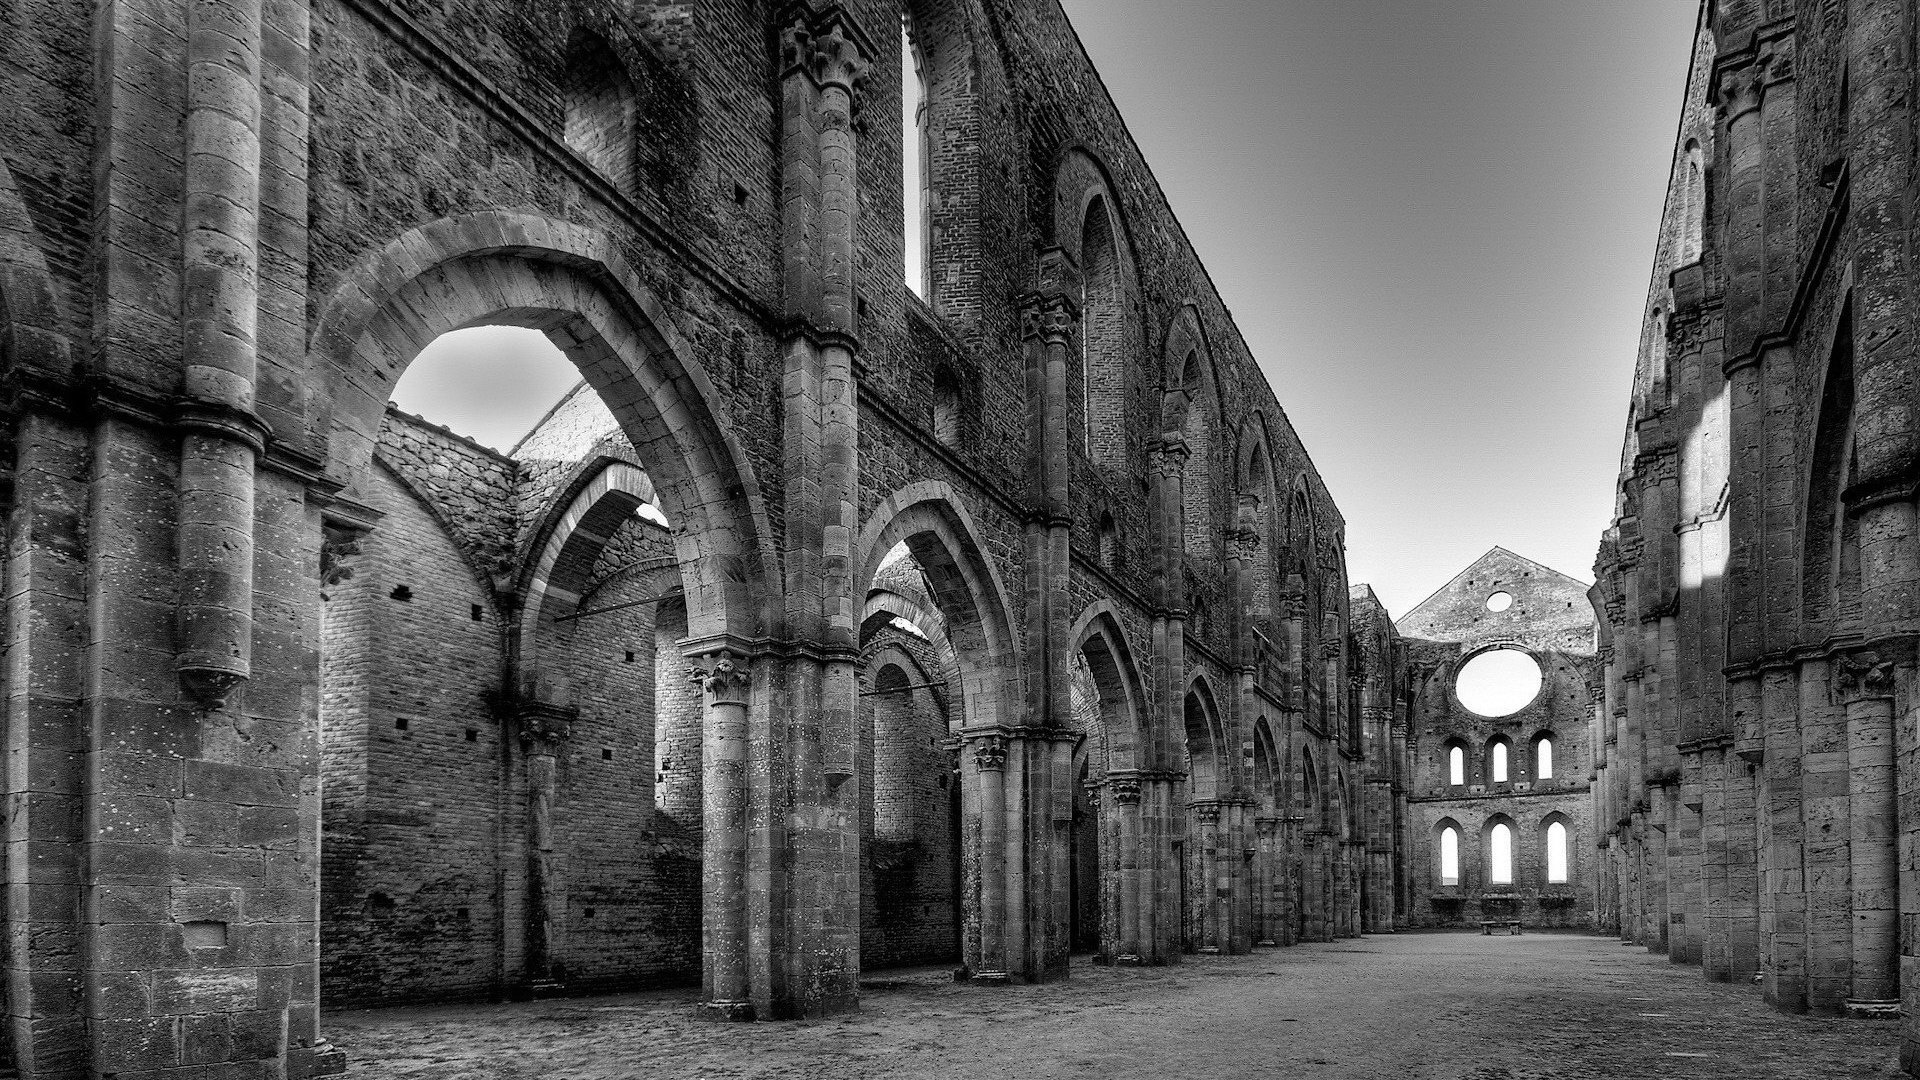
pixel 1196 485
pixel 946 410
pixel 913 160
pixel 1499 763
pixel 1449 856
pixel 1102 340
pixel 1109 543
pixel 1693 202
pixel 1543 758
pixel 600 107
pixel 1456 765
pixel 1556 853
pixel 1500 855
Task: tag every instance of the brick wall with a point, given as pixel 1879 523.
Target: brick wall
pixel 1550 619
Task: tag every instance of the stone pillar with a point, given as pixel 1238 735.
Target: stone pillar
pixel 1867 682
pixel 220 310
pixel 543 730
pixel 1825 818
pixel 1715 960
pixel 987 859
pixel 1785 986
pixel 724 680
pixel 1208 902
pixel 807 961
pixel 1130 903
pixel 1266 881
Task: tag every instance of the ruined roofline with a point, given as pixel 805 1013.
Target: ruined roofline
pixel 1490 553
pixel 552 411
pixel 415 420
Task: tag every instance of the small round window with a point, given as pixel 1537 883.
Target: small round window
pixel 1499 682
pixel 1500 601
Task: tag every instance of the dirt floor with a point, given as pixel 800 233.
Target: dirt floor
pixel 1432 1006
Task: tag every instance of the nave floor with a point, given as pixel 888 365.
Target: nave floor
pixel 1425 1006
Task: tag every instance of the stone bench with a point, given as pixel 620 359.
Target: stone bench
pixel 1512 926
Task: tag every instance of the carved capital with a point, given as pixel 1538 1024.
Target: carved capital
pixel 1737 90
pixel 1048 317
pixel 543 727
pixel 1167 460
pixel 1863 675
pixel 827 45
pixel 723 677
pixel 1125 792
pixel 990 753
pixel 1208 813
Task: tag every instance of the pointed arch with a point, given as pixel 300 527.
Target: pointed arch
pixel 965 587
pixel 1100 643
pixel 602 107
pixel 1207 769
pixel 1830 543
pixel 570 282
pixel 1090 228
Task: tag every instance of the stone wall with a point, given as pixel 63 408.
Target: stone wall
pixel 1547 617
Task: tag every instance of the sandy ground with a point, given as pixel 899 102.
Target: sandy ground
pixel 1425 1006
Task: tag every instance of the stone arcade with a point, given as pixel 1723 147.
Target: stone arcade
pixel 1019 614
pixel 824 626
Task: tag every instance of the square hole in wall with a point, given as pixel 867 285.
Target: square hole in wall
pixel 401 592
pixel 606 754
pixel 629 656
pixel 473 734
pixel 479 613
pixel 400 724
pixel 587 913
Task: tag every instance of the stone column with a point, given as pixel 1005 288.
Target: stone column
pixel 1266 881
pixel 1867 682
pixel 1129 946
pixel 1715 960
pixel 543 730
pixel 807 960
pixel 1825 818
pixel 724 680
pixel 988 752
pixel 220 310
pixel 1206 884
pixel 1786 892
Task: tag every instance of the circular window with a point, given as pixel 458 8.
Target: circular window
pixel 1500 601
pixel 1499 682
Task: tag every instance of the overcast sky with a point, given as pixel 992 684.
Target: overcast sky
pixel 1433 221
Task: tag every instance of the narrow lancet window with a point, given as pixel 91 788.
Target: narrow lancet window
pixel 1500 855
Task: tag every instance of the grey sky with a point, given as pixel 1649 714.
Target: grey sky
pixel 1433 221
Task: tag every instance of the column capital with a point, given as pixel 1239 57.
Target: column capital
pixel 989 752
pixel 543 726
pixel 827 44
pixel 1168 457
pixel 723 676
pixel 1050 317
pixel 1863 676
pixel 1740 83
